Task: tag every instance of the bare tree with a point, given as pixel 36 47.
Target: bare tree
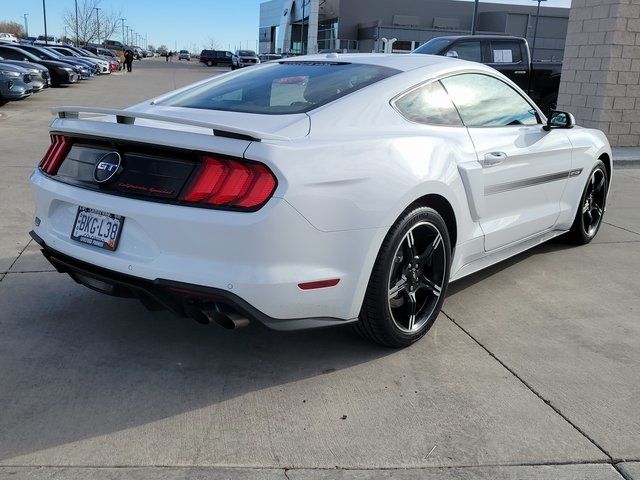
pixel 12 27
pixel 210 44
pixel 162 49
pixel 91 16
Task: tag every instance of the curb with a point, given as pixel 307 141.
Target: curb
pixel 626 157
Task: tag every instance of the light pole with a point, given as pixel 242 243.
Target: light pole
pixel 474 20
pixel 535 29
pixel 26 24
pixel 302 30
pixel 77 34
pixel 535 34
pixel 44 14
pixel 123 35
pixel 97 9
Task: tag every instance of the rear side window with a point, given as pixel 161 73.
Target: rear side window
pixel 281 88
pixel 428 104
pixel 485 101
pixel 505 52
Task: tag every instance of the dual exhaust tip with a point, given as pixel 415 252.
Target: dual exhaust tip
pixel 213 314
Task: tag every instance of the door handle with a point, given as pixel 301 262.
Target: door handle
pixel 493 158
pixel 520 72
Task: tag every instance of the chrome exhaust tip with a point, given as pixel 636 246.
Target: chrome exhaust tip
pixel 227 320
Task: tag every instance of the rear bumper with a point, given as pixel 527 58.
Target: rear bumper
pixel 162 294
pixel 259 257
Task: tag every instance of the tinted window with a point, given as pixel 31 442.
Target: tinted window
pixel 246 53
pixel 485 101
pixel 466 51
pixel 505 52
pixel 428 104
pixel 12 54
pixel 281 88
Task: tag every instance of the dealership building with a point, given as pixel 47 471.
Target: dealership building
pixel 308 26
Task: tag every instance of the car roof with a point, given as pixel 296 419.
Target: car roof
pixel 401 62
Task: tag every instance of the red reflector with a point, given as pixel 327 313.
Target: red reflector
pixel 225 182
pixel 55 155
pixel 319 284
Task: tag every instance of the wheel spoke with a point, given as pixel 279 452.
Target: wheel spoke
pixel 410 246
pixel 398 288
pixel 412 310
pixel 430 249
pixel 585 207
pixel 431 286
pixel 600 184
pixel 598 210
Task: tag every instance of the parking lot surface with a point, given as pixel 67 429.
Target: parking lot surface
pixel 531 371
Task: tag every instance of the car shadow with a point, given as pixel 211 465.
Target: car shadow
pixel 554 245
pixel 77 364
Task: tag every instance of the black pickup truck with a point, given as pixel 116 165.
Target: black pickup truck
pixel 508 55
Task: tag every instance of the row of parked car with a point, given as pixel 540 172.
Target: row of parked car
pixel 239 59
pixel 27 68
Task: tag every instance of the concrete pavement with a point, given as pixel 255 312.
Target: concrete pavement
pixel 531 371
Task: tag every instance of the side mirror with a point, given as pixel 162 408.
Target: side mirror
pixel 451 54
pixel 560 120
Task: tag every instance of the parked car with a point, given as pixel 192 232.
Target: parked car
pixel 184 55
pixel 48 40
pixel 213 58
pixel 38 73
pixel 8 37
pixel 337 191
pixel 244 58
pixel 106 54
pixel 104 67
pixel 84 68
pixel 15 83
pixel 508 55
pixel 61 73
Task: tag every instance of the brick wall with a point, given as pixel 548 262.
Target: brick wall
pixel 600 81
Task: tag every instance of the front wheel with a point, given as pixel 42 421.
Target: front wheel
pixel 591 208
pixel 409 280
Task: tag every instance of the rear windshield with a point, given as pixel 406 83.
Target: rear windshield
pixel 281 88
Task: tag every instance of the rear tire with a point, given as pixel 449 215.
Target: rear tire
pixel 409 280
pixel 591 208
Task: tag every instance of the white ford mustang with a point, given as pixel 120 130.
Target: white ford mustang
pixel 321 190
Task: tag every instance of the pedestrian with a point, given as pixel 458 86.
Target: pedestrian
pixel 170 55
pixel 128 59
pixel 166 56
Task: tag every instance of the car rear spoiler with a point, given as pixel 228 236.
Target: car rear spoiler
pixel 129 117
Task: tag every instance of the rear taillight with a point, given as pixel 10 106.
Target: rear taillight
pixel 224 182
pixel 56 153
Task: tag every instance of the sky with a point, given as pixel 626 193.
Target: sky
pixel 188 24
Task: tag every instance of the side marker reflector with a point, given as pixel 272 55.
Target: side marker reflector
pixel 319 284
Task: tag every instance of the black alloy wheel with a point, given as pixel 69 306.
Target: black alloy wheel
pixel 409 280
pixel 592 206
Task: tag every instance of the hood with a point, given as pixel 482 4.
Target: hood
pixel 13 68
pixel 31 66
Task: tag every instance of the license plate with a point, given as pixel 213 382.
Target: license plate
pixel 97 228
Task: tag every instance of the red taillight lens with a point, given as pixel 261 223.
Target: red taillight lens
pixel 56 153
pixel 224 182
